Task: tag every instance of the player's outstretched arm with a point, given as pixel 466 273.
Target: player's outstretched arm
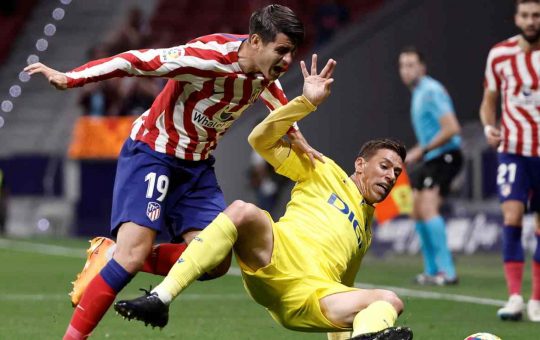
pixel 266 137
pixel 296 136
pixel 55 78
pixel 139 63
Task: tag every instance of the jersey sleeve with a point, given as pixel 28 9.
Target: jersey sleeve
pixel 266 139
pixel 296 165
pixel 492 80
pixel 273 96
pixel 165 62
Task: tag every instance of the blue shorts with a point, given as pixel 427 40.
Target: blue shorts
pixel 163 192
pixel 518 178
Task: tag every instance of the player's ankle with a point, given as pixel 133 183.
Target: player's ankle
pixel 165 296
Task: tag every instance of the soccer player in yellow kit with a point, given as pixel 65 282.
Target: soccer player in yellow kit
pixel 301 268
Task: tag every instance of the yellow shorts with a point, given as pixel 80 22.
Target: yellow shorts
pixel 285 288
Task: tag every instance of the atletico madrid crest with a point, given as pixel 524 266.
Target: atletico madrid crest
pixel 153 211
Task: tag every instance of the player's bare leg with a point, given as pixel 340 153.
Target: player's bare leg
pixel 255 237
pixel 134 243
pixel 370 313
pixel 161 259
pixel 241 225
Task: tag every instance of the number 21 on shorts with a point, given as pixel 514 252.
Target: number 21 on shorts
pixel 506 173
pixel 161 184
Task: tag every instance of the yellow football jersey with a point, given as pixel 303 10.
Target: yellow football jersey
pixel 327 219
pixel 318 245
pixel 319 242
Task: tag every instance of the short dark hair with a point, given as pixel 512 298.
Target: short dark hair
pixel 519 2
pixel 371 147
pixel 413 50
pixel 268 21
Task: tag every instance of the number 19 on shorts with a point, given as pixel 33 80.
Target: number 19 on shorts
pixel 161 184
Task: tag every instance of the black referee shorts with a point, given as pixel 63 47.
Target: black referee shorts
pixel 438 171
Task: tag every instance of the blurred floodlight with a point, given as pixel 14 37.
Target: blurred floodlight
pixel 2 121
pixel 42 44
pixel 58 13
pixel 49 30
pixel 43 224
pixel 32 58
pixel 24 77
pixel 15 91
pixel 65 2
pixel 7 105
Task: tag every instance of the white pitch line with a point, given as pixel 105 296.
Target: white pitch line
pixel 33 297
pixel 404 292
pixel 48 249
pixel 61 297
pixel 40 248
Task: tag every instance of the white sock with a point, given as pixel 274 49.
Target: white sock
pixel 163 295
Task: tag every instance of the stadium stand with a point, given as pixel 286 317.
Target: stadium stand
pixel 41 119
pixel 13 15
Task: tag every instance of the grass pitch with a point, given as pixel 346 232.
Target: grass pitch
pixel 35 279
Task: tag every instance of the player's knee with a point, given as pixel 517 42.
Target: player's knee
pixel 392 298
pixel 513 213
pixel 130 259
pixel 241 212
pixel 512 218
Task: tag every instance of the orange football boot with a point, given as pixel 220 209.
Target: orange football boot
pixel 100 252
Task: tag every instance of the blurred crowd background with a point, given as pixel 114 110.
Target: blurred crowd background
pixel 58 149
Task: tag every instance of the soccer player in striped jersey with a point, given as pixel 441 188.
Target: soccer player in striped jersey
pixel 513 72
pixel 165 177
pixel 301 268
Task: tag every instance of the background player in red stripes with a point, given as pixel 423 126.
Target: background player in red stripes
pixel 165 176
pixel 512 70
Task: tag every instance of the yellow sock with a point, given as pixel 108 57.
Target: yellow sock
pixel 376 317
pixel 339 335
pixel 203 254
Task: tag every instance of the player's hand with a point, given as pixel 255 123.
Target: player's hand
pixel 493 135
pixel 414 155
pixel 300 142
pixel 317 86
pixel 55 78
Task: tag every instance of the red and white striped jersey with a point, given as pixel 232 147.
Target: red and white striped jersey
pixel 207 91
pixel 516 75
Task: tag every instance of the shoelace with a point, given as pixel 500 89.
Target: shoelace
pixel 146 292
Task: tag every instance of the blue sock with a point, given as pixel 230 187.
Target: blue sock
pixel 512 247
pixel 115 275
pixel 428 253
pixel 437 232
